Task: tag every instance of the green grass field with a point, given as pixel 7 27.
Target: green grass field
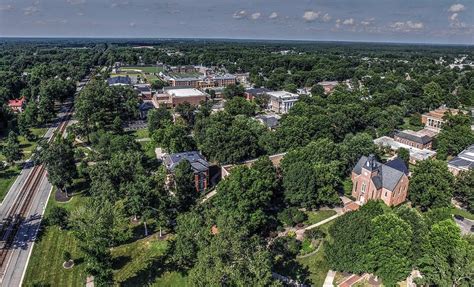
pixel 141 133
pixel 46 261
pixel 7 177
pixel 317 216
pixel 317 264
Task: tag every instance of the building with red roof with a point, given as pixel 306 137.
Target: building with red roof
pixel 17 104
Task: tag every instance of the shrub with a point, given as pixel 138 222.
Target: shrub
pixel 314 233
pixel 291 216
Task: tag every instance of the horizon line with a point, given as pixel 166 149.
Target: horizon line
pixel 234 39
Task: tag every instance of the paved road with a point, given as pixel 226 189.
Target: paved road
pixel 14 271
pixel 22 247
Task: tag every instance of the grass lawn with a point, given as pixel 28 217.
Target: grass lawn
pixel 463 213
pixel 407 126
pixel 141 133
pixel 317 264
pixel 7 177
pixel 26 146
pixel 171 279
pixel 46 261
pixel 317 216
pixel 136 263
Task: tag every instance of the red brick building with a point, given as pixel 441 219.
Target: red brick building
pixel 373 180
pixel 198 164
pixel 414 139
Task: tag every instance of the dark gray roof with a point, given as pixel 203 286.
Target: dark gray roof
pixel 399 165
pixel 386 175
pixel 461 163
pixel 125 80
pixel 197 161
pixel 145 106
pixel 269 121
pixel 411 137
pixel 142 89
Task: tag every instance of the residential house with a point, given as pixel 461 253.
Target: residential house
pixel 463 162
pixel 373 180
pixel 414 139
pixel 433 120
pixel 198 164
pixel 17 105
pixel 171 97
pixel 282 101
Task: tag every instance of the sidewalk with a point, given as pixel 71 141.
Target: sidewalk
pixel 328 282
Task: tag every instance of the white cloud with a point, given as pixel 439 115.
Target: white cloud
pixel 132 24
pixel 240 14
pixel 455 8
pixel 349 21
pixel 30 10
pixel 80 14
pixel 407 26
pixel 256 15
pixel 326 17
pixel 273 15
pixel 7 7
pixel 454 17
pixel 310 16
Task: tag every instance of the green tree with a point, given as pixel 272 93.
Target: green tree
pixel 184 186
pixel 232 91
pixel 448 258
pixel 431 185
pixel 174 138
pixel 240 106
pixel 464 189
pixel 404 155
pixel 455 135
pixel 186 112
pixel 58 158
pixel 58 216
pixel 389 248
pixel 158 118
pixel 11 150
pixel 433 95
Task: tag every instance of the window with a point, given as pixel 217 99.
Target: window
pixel 363 187
pixel 386 192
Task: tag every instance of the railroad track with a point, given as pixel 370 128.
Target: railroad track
pixel 18 212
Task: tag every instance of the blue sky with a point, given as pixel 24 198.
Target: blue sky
pixel 421 21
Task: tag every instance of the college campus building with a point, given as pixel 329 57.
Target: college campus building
pixel 328 86
pixel 463 162
pixel 197 77
pixel 373 180
pixel 433 120
pixel 119 81
pixel 281 101
pixel 414 139
pixel 171 97
pixel 198 164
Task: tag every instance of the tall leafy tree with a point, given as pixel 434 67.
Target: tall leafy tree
pixel 158 118
pixel 464 189
pixel 431 185
pixel 448 258
pixel 174 138
pixel 58 158
pixel 11 150
pixel 184 186
pixel 455 135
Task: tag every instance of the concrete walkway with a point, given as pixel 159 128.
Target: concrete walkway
pixel 300 232
pixel 329 279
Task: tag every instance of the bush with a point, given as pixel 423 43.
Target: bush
pixel 314 233
pixel 291 216
pixel 287 247
pixel 67 256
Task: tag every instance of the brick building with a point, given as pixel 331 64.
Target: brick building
pixel 281 101
pixel 198 163
pixel 373 180
pixel 414 139
pixel 173 97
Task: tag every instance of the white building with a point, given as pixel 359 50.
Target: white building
pixel 281 101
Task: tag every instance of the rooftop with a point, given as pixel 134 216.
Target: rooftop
pixel 439 113
pixel 464 160
pixel 119 80
pixel 17 103
pixel 197 161
pixel 386 175
pixel 414 136
pixel 186 92
pixel 415 153
pixel 283 95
